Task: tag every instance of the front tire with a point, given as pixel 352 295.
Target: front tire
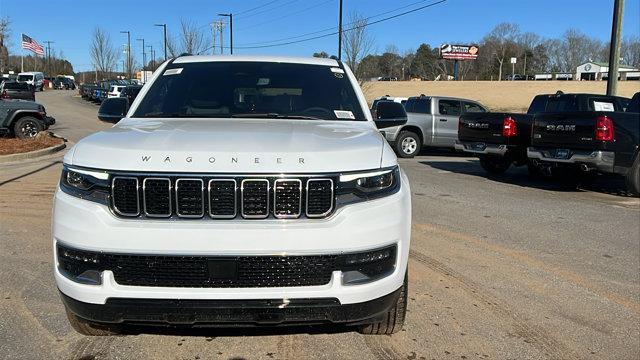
pixel 393 320
pixel 633 177
pixel 494 165
pixel 408 144
pixel 27 127
pixel 88 328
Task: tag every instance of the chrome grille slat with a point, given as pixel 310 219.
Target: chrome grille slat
pixel 190 198
pixel 124 192
pixel 156 197
pixel 254 198
pixel 287 198
pixel 223 198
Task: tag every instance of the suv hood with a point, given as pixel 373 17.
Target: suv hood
pixel 232 145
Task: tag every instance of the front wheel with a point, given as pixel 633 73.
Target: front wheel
pixel 408 144
pixel 494 164
pixel 393 320
pixel 633 177
pixel 27 127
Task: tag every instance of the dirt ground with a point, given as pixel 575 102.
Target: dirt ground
pixel 497 95
pixel 15 146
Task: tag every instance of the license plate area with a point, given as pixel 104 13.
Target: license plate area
pixel 478 146
pixel 562 154
pixel 222 269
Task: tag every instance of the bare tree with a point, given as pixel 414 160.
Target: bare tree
pixel 500 42
pixel 103 54
pixel 357 40
pixel 527 42
pixel 578 48
pixel 4 46
pixel 630 51
pixel 191 40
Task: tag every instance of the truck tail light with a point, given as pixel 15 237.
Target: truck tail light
pixel 4 94
pixel 509 128
pixel 604 128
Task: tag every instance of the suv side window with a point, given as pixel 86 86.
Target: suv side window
pixel 473 108
pixel 449 107
pixel 419 105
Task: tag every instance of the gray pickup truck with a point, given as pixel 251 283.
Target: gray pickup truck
pixel 432 121
pixel 23 119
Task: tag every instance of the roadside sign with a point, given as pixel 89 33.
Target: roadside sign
pixel 514 60
pixel 459 52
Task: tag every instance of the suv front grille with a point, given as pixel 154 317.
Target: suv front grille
pixel 221 198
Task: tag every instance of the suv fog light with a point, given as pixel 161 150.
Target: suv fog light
pixel 90 277
pixel 361 268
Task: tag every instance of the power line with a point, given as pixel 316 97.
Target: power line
pixel 267 10
pixel 257 7
pixel 345 30
pixel 286 15
pixel 333 27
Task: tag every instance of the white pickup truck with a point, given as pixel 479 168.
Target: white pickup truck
pixel 239 191
pixel 432 121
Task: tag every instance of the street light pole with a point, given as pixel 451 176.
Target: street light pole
pixel 144 62
pixel 340 33
pixel 230 16
pixel 614 50
pixel 164 26
pixel 128 52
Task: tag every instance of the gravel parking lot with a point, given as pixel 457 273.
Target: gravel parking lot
pixel 500 268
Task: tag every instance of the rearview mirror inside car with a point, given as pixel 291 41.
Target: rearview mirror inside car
pixel 390 113
pixel 113 109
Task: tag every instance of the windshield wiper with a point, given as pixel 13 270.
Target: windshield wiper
pixel 274 116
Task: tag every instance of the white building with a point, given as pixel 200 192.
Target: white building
pixel 599 71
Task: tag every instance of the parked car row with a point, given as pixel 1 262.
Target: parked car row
pixel 577 133
pixel 108 89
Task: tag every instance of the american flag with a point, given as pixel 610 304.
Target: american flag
pixel 30 44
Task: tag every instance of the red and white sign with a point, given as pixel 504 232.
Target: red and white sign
pixel 459 52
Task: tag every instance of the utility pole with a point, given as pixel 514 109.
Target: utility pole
pixel 144 62
pixel 164 26
pixel 128 52
pixel 214 29
pixel 614 50
pixel 230 16
pixel 153 57
pixel 219 26
pixel 48 56
pixel 340 33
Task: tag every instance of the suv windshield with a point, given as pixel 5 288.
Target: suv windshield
pixel 251 89
pixel 25 77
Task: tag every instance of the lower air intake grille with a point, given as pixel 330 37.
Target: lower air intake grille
pixel 319 197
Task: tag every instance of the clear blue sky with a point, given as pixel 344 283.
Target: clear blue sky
pixel 69 23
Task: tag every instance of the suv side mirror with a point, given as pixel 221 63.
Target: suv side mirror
pixel 113 109
pixel 390 113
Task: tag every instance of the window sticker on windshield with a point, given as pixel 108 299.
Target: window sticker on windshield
pixel 344 114
pixel 173 71
pixel 602 106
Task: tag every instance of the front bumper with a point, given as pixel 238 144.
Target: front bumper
pixel 357 227
pixel 481 148
pixel 49 120
pixel 600 160
pixel 232 312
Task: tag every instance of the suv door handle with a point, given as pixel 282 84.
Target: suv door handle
pixel 443 119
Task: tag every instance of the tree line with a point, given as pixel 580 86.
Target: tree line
pixel 534 54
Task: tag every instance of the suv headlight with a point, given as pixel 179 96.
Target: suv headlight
pixel 368 185
pixel 86 184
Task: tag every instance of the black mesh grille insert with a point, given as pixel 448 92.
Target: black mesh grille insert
pixel 287 196
pixel 125 196
pixel 228 271
pixel 222 198
pixel 319 197
pixel 255 198
pixel 189 199
pixel 157 197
